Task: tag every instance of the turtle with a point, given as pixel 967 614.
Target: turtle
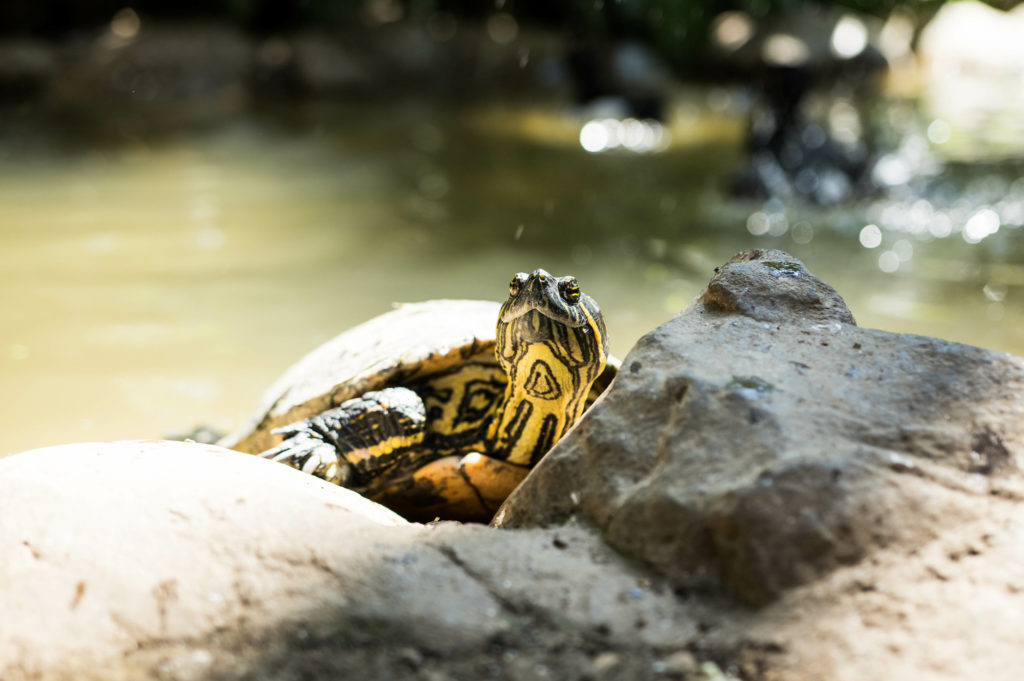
pixel 439 409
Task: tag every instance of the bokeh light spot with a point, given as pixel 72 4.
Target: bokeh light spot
pixel 983 223
pixel 758 224
pixel 888 262
pixel 502 28
pixel 802 233
pixel 870 236
pixel 892 170
pixel 939 131
pixel 732 30
pixel 849 37
pixel 125 24
pixel 904 250
pixel 631 133
pixel 781 49
pixel 941 226
pixel 594 137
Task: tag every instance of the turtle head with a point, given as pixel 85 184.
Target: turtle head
pixel 557 299
pixel 551 341
pixel 542 308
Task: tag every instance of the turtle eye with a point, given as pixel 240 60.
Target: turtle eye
pixel 570 290
pixel 517 283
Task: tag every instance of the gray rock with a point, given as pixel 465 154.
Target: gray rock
pixel 772 286
pixel 760 440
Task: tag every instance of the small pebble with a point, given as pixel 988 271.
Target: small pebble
pixel 603 662
pixel 680 663
pixel 411 657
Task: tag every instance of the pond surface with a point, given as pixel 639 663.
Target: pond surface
pixel 153 285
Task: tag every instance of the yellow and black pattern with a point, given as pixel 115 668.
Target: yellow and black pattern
pixel 362 439
pixel 460 404
pixel 552 344
pixel 468 433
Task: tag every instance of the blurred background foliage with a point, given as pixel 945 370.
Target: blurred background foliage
pixel 678 29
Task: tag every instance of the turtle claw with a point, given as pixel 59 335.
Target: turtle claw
pixel 309 453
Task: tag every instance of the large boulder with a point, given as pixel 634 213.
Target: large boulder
pixel 164 560
pixel 761 440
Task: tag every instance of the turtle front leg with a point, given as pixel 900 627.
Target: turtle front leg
pixel 469 487
pixel 358 440
pixel 305 449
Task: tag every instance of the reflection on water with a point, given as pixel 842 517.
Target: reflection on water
pixel 153 286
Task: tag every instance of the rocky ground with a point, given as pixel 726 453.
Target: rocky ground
pixel 766 492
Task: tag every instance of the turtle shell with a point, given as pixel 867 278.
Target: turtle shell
pixel 406 344
pixel 403 346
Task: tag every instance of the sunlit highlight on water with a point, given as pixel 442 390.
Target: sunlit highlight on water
pixel 995 291
pixel 870 236
pixel 983 223
pixel 892 170
pixel 888 262
pixel 773 222
pixel 918 199
pixel 632 134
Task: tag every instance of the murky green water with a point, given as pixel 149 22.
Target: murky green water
pixel 146 287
